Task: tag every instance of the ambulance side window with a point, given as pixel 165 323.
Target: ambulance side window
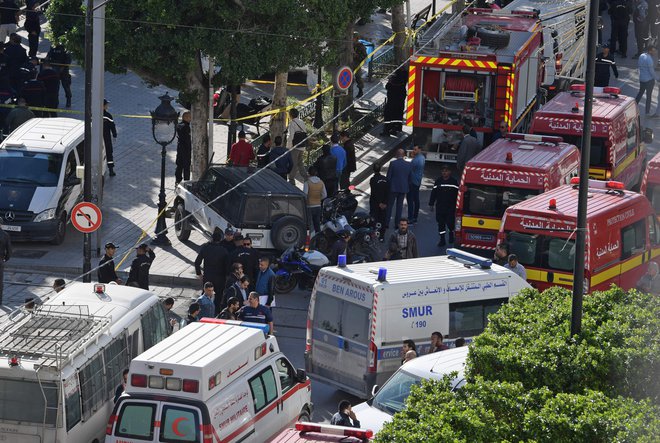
pixel 633 238
pixel 286 374
pixel 631 136
pixel 264 388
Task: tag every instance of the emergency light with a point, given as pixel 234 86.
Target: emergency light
pixel 534 138
pixel 509 157
pixel 552 204
pixel 470 258
pixel 246 324
pixel 341 261
pixel 363 434
pixel 600 184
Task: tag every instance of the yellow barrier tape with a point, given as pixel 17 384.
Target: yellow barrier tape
pixel 271 82
pixel 142 235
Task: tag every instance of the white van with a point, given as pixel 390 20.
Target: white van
pixel 61 363
pixel 391 397
pixel 215 380
pixel 360 314
pixel 38 182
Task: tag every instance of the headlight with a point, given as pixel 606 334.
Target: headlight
pixel 48 214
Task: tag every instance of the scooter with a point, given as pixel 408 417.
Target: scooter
pixel 297 267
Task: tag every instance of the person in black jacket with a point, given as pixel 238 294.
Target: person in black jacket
pixel 61 59
pixel 5 254
pixel 326 164
pixel 51 83
pixel 620 16
pixel 604 63
pixel 109 132
pixel 215 258
pixel 32 25
pixel 106 271
pixel 248 257
pixel 183 149
pixel 139 274
pixel 351 163
pixel 380 191
pixel 263 151
pixel 443 197
pixel 396 100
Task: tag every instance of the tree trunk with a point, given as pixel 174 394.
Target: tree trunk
pixel 199 121
pixel 278 121
pixel 346 59
pixel 399 27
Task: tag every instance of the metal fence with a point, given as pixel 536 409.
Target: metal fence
pixel 382 64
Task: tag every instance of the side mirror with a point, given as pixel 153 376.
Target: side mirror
pixel 72 181
pixel 647 135
pixel 301 376
pixel 374 390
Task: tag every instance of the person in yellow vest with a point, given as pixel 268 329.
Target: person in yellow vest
pixel 314 189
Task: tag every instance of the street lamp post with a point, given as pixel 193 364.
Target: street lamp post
pixel 318 117
pixel 163 124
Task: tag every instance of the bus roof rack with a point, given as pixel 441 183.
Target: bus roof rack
pixel 471 259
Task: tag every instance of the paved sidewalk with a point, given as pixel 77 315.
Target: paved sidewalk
pixel 130 199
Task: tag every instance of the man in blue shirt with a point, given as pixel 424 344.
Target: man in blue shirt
pixel 338 152
pixel 265 280
pixel 206 305
pixel 416 176
pixel 256 313
pixel 646 65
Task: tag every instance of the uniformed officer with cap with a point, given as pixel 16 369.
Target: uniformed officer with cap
pixel 106 270
pixel 109 132
pixel 139 274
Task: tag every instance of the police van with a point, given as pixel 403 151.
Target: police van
pixel 39 185
pixel 622 236
pixel 360 314
pixel 61 362
pixel 212 381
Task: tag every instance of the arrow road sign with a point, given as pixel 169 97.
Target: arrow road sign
pixel 86 217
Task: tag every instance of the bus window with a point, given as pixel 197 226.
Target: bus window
pixel 136 420
pixel 116 360
pixel 492 201
pixel 154 326
pixel 23 401
pixel 179 424
pixel 561 254
pixel 633 238
pixel 92 386
pixel 72 404
pixel 470 318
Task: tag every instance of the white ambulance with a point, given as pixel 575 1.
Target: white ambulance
pixel 212 381
pixel 360 314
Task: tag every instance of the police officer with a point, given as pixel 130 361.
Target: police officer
pixel 139 274
pixel 380 190
pixel 51 82
pixel 214 258
pixel 5 254
pixel 183 149
pixel 443 197
pixel 106 271
pixel 61 59
pixel 604 63
pixel 340 247
pixel 109 132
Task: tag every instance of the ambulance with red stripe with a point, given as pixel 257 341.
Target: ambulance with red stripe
pixel 651 183
pixel 622 235
pixel 360 314
pixel 618 142
pixel 510 170
pixel 212 381
pixel 487 67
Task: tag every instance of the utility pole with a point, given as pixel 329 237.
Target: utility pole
pixel 98 93
pixel 87 180
pixel 583 191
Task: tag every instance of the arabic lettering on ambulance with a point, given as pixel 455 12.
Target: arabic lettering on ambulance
pixel 467 287
pixel 511 179
pixel 610 247
pixel 570 125
pixel 231 402
pixel 235 413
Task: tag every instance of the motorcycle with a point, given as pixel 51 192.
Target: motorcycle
pixel 297 267
pixel 222 101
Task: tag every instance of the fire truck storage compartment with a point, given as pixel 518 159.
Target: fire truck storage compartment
pixel 527 77
pixel 456 97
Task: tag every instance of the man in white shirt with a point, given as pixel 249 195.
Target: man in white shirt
pixel 296 126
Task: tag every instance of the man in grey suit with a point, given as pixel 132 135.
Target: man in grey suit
pixel 398 176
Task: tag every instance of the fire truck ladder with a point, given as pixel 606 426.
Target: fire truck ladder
pixel 52 334
pixel 436 36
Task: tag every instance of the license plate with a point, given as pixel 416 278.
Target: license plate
pixel 256 241
pixel 10 228
pixel 480 237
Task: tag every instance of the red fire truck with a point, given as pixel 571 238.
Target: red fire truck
pixel 510 170
pixel 651 182
pixel 484 66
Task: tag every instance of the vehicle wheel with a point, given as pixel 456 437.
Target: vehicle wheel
pixel 181 228
pixel 60 231
pixel 288 231
pixel 284 285
pixel 494 38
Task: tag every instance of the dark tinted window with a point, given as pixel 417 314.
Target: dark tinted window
pixel 23 401
pixel 597 154
pixel 542 251
pixel 256 211
pixel 492 201
pixel 633 238
pixel 136 420
pixel 154 326
pixel 470 318
pixel 280 206
pixel 327 313
pixel 29 167
pixel 92 386
pixel 72 402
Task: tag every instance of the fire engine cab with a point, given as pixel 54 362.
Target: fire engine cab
pixel 651 183
pixel 484 67
pixel 622 233
pixel 510 170
pixel 618 143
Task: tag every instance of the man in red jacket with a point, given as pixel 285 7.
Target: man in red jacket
pixel 241 152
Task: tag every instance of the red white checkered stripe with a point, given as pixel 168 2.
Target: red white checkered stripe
pixel 374 314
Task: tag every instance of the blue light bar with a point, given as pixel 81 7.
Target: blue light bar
pixel 246 324
pixel 470 258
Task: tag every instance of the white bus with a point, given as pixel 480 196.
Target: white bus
pixel 61 363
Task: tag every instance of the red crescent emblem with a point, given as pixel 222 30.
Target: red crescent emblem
pixel 175 426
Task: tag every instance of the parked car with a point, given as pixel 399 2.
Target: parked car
pixel 265 207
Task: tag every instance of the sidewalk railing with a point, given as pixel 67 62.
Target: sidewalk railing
pixel 382 64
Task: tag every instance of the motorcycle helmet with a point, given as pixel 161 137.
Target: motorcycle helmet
pixel 361 219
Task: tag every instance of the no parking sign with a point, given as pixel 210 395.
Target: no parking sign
pixel 343 79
